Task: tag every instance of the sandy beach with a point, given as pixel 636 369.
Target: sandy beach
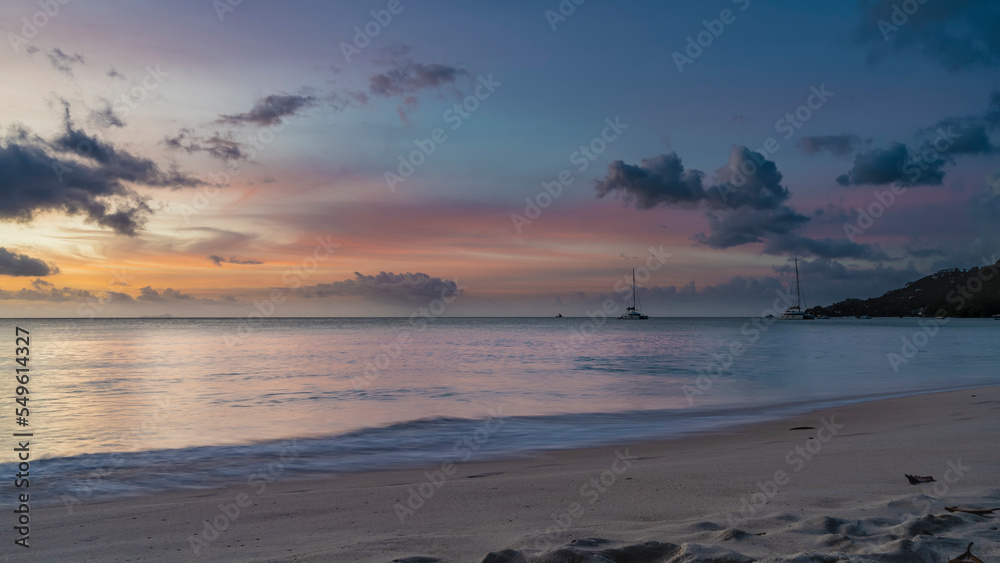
pixel 825 486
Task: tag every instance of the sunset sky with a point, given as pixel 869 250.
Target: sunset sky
pixel 195 157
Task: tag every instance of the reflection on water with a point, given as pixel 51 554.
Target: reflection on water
pixel 143 384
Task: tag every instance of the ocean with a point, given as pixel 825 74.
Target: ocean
pixel 131 406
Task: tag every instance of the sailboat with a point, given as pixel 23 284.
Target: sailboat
pixel 632 311
pixel 795 312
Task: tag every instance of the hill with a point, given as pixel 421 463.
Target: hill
pixel 954 293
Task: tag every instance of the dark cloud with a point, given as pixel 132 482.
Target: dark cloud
pixel 747 180
pixel 792 244
pixel 958 136
pixel 77 174
pixel 894 164
pixel 119 164
pixel 959 34
pixel 15 264
pixel 105 117
pixel 828 281
pixel 409 76
pixel 114 73
pixel 271 110
pixel 747 225
pixel 839 145
pixel 747 204
pixel 150 295
pixel 216 146
pixel 386 285
pixel 736 290
pixel 660 180
pixel 923 162
pixel 219 260
pixel 42 290
pixel 63 62
pixel 832 214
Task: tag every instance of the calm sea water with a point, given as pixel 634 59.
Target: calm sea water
pixel 124 406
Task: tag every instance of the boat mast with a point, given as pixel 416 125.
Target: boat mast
pixel 798 288
pixel 634 303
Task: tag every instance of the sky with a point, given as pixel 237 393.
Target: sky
pixel 399 157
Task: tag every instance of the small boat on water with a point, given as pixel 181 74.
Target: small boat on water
pixel 863 317
pixel 559 315
pixel 795 312
pixel 632 312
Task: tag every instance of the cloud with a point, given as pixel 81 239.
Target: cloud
pixel 959 34
pixel 42 290
pixel 923 162
pixel 828 281
pixel 271 110
pixel 386 286
pixel 14 264
pixel 747 225
pixel 747 204
pixel 77 174
pixel 215 241
pixel 119 164
pixel 897 163
pixel 219 260
pixel 661 180
pixel 748 180
pixel 792 244
pixel 409 76
pixel 150 295
pixel 105 117
pixel 216 146
pixel 739 289
pixel 839 145
pixel 63 62
pixel 957 136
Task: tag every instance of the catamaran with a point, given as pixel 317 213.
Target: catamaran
pixel 632 311
pixel 795 312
